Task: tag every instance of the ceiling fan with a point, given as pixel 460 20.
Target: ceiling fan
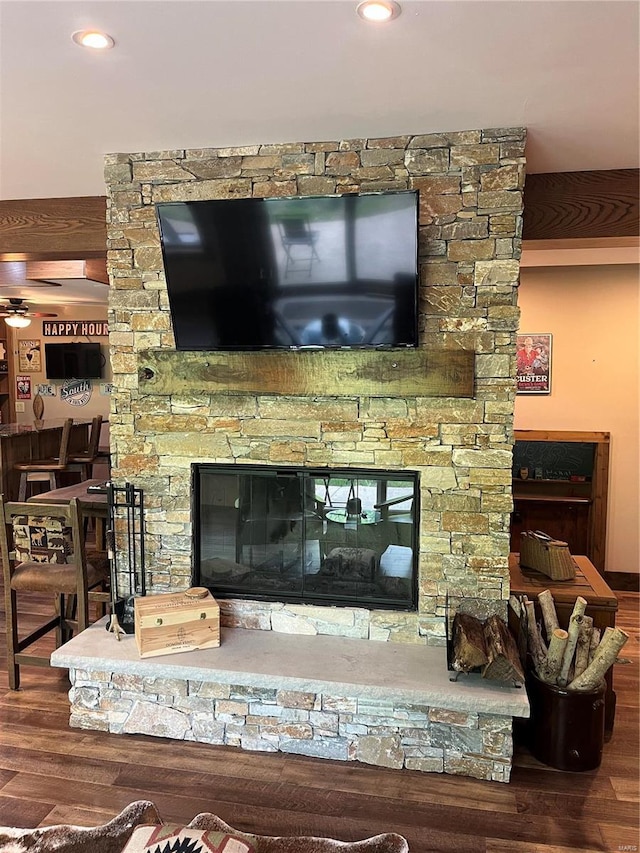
pixel 17 313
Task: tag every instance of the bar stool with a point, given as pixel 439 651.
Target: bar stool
pixel 45 470
pixel 82 461
pixel 43 551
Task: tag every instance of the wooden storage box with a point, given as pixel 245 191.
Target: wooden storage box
pixel 176 622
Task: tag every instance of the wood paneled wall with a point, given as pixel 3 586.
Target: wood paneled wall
pixel 581 205
pixel 41 229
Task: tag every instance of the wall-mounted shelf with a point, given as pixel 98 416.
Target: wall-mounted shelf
pixel 541 480
pixel 551 499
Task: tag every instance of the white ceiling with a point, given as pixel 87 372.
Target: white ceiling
pixel 211 73
pixel 71 291
pixel 65 294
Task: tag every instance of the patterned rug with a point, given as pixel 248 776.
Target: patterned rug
pixel 139 829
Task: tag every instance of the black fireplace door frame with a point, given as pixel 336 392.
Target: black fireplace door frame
pixel 322 536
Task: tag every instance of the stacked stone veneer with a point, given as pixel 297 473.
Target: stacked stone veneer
pixel 470 186
pixel 346 728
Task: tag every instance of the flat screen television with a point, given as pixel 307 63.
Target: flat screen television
pixel 73 361
pixel 292 273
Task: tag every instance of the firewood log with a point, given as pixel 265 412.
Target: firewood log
pixel 608 630
pixel 502 651
pixel 574 629
pixel 569 650
pixel 469 646
pixel 537 649
pixel 549 615
pixel 595 641
pixel 551 667
pixel 584 643
pixel 605 657
pixel 579 607
pixel 521 635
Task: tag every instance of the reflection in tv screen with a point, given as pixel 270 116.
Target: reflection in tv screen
pixel 330 271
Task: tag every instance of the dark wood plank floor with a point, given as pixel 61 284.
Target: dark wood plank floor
pixel 50 773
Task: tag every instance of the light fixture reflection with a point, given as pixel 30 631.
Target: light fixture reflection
pixel 93 39
pixel 378 11
pixel 18 321
pixel 353 508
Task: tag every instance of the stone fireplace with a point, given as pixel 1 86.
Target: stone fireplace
pixel 470 189
pixel 292 429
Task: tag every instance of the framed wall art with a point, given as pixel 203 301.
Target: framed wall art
pixel 29 356
pixel 23 387
pixel 533 363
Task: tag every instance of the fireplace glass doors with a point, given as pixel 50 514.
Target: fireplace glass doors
pixel 318 536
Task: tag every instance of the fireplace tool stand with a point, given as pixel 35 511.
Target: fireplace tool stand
pixel 125 543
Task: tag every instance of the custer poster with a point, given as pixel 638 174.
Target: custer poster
pixel 533 364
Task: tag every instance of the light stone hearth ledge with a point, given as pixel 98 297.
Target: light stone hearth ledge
pixel 318 664
pixel 388 704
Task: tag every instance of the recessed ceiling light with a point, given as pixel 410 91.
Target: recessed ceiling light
pixel 94 39
pixel 378 10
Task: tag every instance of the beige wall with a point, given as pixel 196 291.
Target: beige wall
pixel 55 407
pixel 593 314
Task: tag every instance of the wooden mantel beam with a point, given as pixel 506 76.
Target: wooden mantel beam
pixel 557 206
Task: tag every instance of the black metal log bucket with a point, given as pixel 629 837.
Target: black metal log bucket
pixel 566 729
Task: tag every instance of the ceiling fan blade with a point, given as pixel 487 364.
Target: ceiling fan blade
pixel 18 308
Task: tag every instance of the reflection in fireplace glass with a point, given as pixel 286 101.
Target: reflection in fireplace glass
pixel 323 536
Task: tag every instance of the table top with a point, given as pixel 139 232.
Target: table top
pixel 95 500
pixel 588 583
pixel 40 426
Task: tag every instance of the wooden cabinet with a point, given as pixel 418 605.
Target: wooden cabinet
pixel 564 489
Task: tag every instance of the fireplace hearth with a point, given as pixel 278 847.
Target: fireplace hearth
pixel 343 537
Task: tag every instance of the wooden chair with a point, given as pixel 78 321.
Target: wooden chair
pixel 296 232
pixel 43 551
pixel 45 470
pixel 398 524
pixel 103 459
pixel 386 513
pixel 82 461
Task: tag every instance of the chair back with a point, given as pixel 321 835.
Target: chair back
pixel 31 532
pixel 295 229
pixel 42 548
pixel 63 455
pixel 384 506
pixel 94 437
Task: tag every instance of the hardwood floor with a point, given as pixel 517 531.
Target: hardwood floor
pixel 50 773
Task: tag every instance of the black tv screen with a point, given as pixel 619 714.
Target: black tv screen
pixel 73 361
pixel 307 272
